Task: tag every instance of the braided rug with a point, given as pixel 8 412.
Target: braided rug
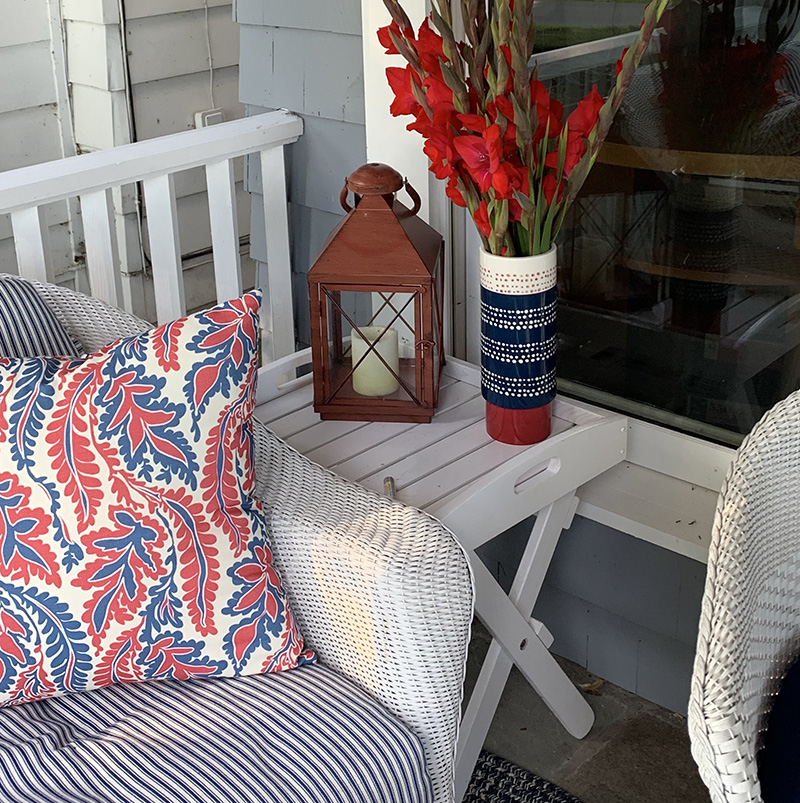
pixel 496 780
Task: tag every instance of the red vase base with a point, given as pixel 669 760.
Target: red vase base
pixel 518 427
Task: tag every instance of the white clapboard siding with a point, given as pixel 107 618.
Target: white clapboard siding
pixel 34 125
pixel 25 192
pixel 168 105
pixel 135 9
pixel 175 44
pixel 27 72
pixel 24 21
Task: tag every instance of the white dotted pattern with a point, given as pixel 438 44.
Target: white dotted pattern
pixel 518 284
pixel 518 352
pixel 530 318
pixel 518 276
pixel 516 386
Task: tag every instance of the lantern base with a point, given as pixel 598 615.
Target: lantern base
pixel 334 412
pixel 518 427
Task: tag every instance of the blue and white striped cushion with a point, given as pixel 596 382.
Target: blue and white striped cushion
pixel 303 735
pixel 28 327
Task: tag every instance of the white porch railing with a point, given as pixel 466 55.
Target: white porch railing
pixel 25 192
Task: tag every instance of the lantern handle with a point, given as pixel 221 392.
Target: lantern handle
pixel 413 194
pixel 343 199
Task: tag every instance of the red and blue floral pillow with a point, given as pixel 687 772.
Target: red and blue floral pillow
pixel 130 546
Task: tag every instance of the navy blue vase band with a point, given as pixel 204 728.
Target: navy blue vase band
pixel 518 348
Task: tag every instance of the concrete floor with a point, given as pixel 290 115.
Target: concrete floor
pixel 636 752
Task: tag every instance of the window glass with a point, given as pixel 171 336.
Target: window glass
pixel 680 279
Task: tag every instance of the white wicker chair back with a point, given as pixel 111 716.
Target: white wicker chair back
pixel 750 619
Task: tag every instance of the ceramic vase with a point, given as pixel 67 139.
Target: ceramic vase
pixel 518 345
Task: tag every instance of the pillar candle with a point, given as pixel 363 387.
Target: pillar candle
pixel 372 377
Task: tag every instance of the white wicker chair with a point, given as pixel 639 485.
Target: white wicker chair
pixel 383 592
pixel 750 619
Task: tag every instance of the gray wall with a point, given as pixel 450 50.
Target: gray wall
pixel 305 56
pixel 621 607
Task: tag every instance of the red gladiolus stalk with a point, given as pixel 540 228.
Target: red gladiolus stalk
pixel 491 129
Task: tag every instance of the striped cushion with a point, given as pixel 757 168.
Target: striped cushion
pixel 28 327
pixel 305 735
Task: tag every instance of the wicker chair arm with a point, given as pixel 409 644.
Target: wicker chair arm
pixel 382 591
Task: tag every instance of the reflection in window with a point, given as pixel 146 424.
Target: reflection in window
pixel 680 280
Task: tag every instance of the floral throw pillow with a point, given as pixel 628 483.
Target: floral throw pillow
pixel 130 546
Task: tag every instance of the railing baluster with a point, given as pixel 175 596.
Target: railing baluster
pixel 165 248
pixel 102 257
pixel 224 229
pixel 279 270
pixel 32 243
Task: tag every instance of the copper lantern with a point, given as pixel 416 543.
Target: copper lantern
pixel 376 307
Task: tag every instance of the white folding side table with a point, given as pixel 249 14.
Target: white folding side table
pixel 479 488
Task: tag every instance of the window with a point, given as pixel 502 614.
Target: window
pixel 680 268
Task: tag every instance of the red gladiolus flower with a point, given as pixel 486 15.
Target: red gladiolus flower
pixel 400 79
pixel 619 61
pixel 576 147
pixel 584 118
pixel 506 108
pixel 507 179
pixel 430 49
pixel 440 99
pixel 481 218
pixel 473 122
pixel 384 37
pixel 549 188
pixel 549 112
pixel 481 155
pixel 439 149
pixel 454 194
pixel 421 124
pixel 472 128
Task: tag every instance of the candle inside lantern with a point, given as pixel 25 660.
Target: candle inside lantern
pixel 371 377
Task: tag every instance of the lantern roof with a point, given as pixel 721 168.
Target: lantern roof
pixel 379 240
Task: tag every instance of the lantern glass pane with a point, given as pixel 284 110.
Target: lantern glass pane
pixel 371 352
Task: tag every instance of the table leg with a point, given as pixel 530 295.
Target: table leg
pixel 514 641
pixel 480 712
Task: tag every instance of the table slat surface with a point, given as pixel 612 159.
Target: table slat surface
pixel 429 462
